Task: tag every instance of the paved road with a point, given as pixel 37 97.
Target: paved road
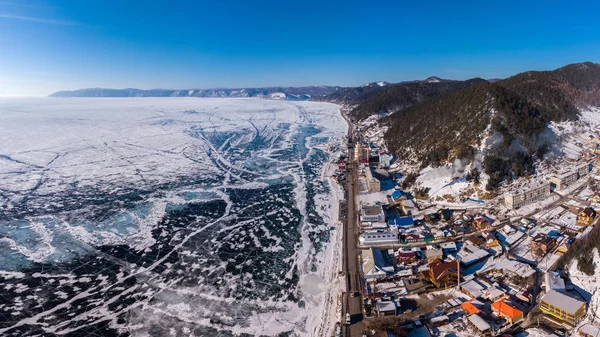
pixel 352 305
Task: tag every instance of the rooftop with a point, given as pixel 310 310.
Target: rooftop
pixel 440 269
pixel 470 308
pixel 554 281
pixel 479 322
pixel 506 309
pixel 386 306
pixel 372 210
pixel 562 301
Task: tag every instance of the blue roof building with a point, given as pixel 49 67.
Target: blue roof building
pixel 402 221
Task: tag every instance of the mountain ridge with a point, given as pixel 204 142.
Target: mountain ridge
pixel 301 93
pixel 516 111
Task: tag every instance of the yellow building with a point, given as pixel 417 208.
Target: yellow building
pixel 563 307
pixel 586 217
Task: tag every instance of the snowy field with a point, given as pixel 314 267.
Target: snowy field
pixel 166 216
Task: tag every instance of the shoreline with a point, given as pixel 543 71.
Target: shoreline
pixel 328 314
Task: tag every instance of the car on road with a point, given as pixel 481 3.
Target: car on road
pixel 348 319
pixel 355 294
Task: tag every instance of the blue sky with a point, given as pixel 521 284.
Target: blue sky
pixel 54 45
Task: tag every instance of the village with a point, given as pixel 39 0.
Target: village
pixel 470 266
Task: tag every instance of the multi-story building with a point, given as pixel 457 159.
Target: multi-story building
pixel 372 213
pixel 379 237
pixel 586 217
pixel 444 274
pixel 361 153
pixel 564 307
pixel 535 192
pixel 568 178
pixel 378 179
pixel 542 242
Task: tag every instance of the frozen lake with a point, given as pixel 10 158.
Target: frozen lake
pixel 163 216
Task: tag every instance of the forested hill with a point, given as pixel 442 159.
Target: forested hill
pixel 398 96
pixel 515 110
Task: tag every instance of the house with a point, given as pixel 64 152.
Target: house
pixel 588 330
pixel 596 200
pixel 470 254
pixel 493 294
pixel 385 160
pixel 510 267
pixel 372 213
pixel 472 288
pixel 414 285
pixel 563 307
pixel 406 257
pixel 542 242
pixel 586 217
pixel 469 308
pixel 386 308
pixel 482 327
pixel 446 214
pixel 377 264
pixel 439 321
pixel 448 247
pixel 507 311
pixel 477 240
pixel 443 274
pixel 432 217
pixel 481 223
pixel 433 254
pixel 553 281
pixel 490 240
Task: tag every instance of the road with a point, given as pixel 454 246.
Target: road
pixel 352 305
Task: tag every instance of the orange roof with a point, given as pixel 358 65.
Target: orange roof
pixel 470 308
pixel 506 309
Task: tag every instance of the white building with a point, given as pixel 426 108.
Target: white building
pixel 520 197
pixel 382 237
pixel 568 178
pixel 372 213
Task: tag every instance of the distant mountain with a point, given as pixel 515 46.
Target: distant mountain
pixel 515 111
pixel 290 93
pixel 434 79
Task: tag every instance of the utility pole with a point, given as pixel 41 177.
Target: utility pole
pixel 458 276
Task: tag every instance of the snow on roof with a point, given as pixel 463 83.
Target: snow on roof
pixel 493 293
pixel 479 322
pixel 562 301
pixel 471 253
pixel 386 306
pixel 515 267
pixel 473 287
pixel 566 220
pixel 552 213
pixel 554 281
pixel 589 329
pixel 372 210
pixel 513 238
pixel 439 319
pixel 448 245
